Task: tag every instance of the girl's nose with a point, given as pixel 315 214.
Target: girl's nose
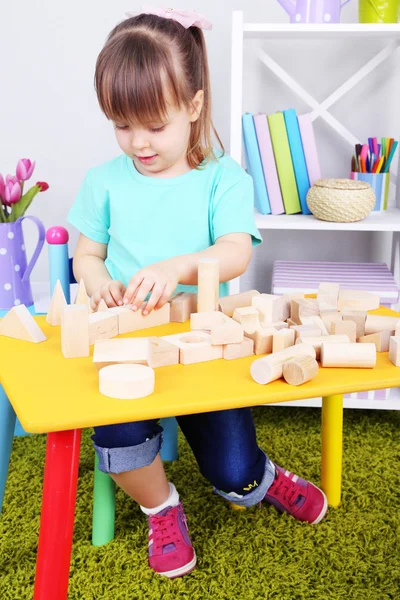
pixel 139 141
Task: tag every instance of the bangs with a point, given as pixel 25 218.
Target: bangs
pixel 135 80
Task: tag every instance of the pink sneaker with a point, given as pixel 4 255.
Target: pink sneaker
pixel 300 498
pixel 170 550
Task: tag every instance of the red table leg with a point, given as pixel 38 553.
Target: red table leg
pixel 57 518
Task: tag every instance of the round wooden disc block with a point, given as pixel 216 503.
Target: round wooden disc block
pixel 300 369
pixel 126 382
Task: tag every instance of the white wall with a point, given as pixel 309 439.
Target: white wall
pixel 48 109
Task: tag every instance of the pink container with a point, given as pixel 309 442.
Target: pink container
pixel 313 11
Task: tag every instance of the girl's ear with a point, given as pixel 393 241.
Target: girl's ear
pixel 197 105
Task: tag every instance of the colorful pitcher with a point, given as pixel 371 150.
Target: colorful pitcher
pixel 313 11
pixel 15 287
pixel 378 11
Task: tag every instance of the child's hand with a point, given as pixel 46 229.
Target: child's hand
pixel 112 293
pixel 160 279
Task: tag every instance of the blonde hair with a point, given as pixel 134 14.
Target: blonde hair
pixel 147 59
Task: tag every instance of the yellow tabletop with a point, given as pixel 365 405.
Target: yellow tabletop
pixel 51 393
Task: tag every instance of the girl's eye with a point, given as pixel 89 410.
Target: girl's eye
pixel 122 127
pixel 157 129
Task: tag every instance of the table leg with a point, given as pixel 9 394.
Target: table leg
pixel 7 425
pixel 57 519
pixel 332 450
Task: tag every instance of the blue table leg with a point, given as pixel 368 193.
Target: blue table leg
pixel 7 425
pixel 169 448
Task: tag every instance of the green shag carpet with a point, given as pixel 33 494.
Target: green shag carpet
pixel 254 554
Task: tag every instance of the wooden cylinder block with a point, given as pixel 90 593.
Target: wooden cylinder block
pixel 317 342
pixel 269 368
pixel 208 285
pixel 126 382
pixel 227 304
pixel 375 323
pixel 299 370
pixel 362 356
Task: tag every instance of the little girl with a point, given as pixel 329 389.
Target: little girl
pixel 145 219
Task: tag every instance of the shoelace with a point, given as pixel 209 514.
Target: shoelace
pixel 164 530
pixel 285 487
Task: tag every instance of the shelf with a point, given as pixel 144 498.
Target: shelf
pixel 388 220
pixel 388 31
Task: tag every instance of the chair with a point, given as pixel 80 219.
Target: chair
pixel 60 268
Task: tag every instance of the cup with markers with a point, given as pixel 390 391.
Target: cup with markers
pixel 371 163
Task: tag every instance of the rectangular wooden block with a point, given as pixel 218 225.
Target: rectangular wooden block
pixel 129 320
pixel 194 347
pixel 230 332
pixel 358 300
pixel 248 317
pixel 303 307
pixel 316 342
pixel 282 339
pixel 75 331
pixel 162 353
pixel 315 321
pixel 328 294
pixel 233 351
pixel 345 328
pixel 329 317
pixel 182 306
pixel 358 316
pixel 381 339
pixel 227 304
pixel 102 326
pixel 208 285
pixel 305 331
pixel 269 306
pixel 375 323
pixel 263 339
pixel 394 350
pixel 207 320
pixel 121 350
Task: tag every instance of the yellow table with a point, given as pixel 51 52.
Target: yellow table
pixel 58 396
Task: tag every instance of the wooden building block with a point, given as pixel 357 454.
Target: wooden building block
pixel 361 356
pixel 358 316
pixel 162 353
pixel 394 350
pixel 75 331
pixel 328 294
pixel 397 330
pixel 194 347
pixel 233 351
pixel 375 323
pixel 263 339
pixel 248 317
pixel 348 328
pixel 381 339
pixel 57 305
pixel 291 323
pixel 316 322
pixel 278 325
pixel 317 342
pixel 102 326
pixel 182 306
pixel 121 350
pixel 306 331
pixel 300 369
pixel 81 296
pixel 19 324
pixel 102 306
pixel 269 306
pixel 208 285
pixel 207 320
pixel 129 320
pixel 329 317
pixel 227 304
pixel 282 339
pixel 358 300
pixel 286 302
pixel 126 382
pixel 303 307
pixel 269 368
pixel 230 332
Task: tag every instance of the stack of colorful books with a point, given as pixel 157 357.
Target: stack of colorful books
pixel 281 157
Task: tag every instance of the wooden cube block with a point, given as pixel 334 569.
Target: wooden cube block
pixel 345 328
pixel 303 307
pixel 162 353
pixel 230 332
pixel 282 339
pixel 263 339
pixel 248 317
pixel 233 351
pixel 394 350
pixel 328 294
pixel 358 316
pixel 194 347
pixel 182 306
pixel 121 350
pixel 227 304
pixel 102 326
pixel 381 339
pixel 207 320
pixel 358 300
pixel 269 306
pixel 329 317
pixel 75 331
pixel 129 320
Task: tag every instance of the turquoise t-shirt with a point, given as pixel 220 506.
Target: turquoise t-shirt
pixel 144 220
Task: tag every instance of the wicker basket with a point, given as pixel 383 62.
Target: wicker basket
pixel 341 200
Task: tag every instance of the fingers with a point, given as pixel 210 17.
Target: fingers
pixel 94 300
pixel 116 290
pixel 145 287
pixel 166 295
pixel 131 290
pixel 155 297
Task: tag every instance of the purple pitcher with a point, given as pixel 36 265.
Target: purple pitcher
pixel 313 11
pixel 15 287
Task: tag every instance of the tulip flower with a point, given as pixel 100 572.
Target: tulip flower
pixel 2 187
pixel 12 193
pixel 42 185
pixel 11 179
pixel 24 169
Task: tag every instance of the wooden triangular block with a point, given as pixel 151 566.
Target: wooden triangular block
pixel 102 306
pixel 81 295
pixel 57 305
pixel 19 324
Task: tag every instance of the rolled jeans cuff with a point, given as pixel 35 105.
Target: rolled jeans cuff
pixel 120 460
pixel 257 495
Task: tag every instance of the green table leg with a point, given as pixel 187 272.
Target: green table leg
pixel 103 507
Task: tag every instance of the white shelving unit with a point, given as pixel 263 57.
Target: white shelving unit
pixel 388 221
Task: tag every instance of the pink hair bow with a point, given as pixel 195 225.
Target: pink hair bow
pixel 187 18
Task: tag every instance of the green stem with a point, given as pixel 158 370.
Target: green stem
pixel 2 215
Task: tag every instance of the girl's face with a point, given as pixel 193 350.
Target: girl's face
pixel 160 149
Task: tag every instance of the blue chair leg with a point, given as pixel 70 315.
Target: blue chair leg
pixel 19 431
pixel 7 425
pixel 169 448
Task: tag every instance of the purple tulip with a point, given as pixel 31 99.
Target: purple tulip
pixel 12 193
pixel 2 187
pixel 25 169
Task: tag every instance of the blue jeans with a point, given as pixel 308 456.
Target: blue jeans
pixel 223 442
